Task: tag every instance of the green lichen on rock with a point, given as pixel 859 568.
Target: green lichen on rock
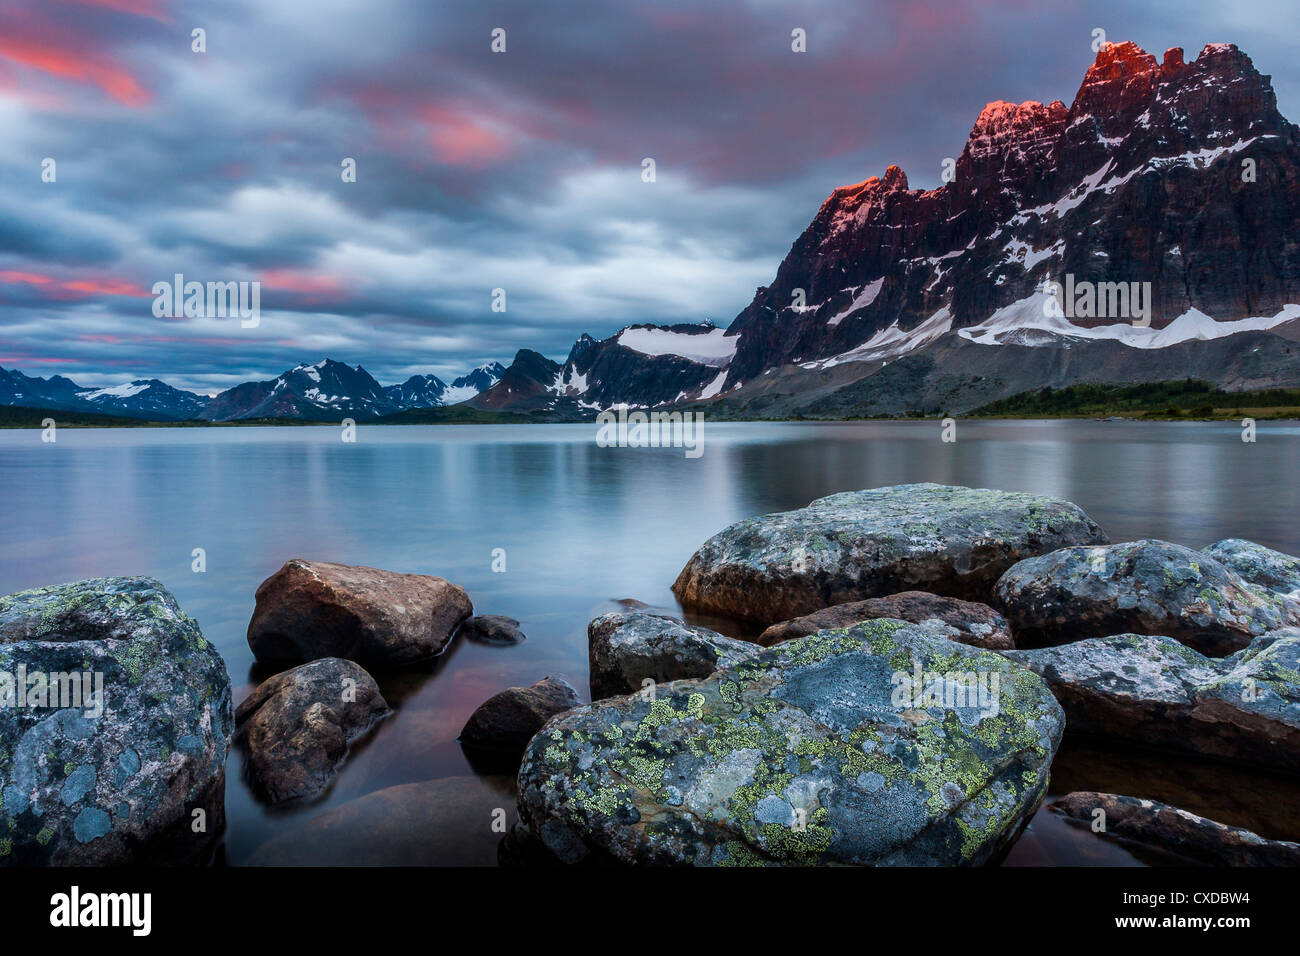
pixel 804 754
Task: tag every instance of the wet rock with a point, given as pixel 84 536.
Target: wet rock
pixel 862 544
pixel 885 743
pixel 627 649
pixel 1171 830
pixel 503 724
pixel 1142 587
pixel 1157 692
pixel 494 629
pixel 123 736
pixel 296 727
pixel 972 623
pixel 1259 565
pixel 455 821
pixel 380 619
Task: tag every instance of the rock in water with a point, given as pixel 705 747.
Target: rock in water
pixel 972 623
pixel 380 619
pixel 1259 565
pixel 296 727
pixel 880 744
pixel 863 544
pixel 494 629
pixel 91 779
pixel 1143 587
pixel 1157 692
pixel 1172 830
pixel 627 649
pixel 505 722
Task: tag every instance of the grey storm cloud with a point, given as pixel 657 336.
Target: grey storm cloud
pixel 478 170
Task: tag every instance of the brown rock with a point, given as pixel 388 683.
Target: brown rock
pixel 976 624
pixel 296 727
pixel 507 721
pixel 313 609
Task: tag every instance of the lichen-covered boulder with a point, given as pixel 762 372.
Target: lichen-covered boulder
pixel 295 729
pixel 114 726
pixel 627 649
pixel 1169 829
pixel 881 744
pixel 863 544
pixel 1259 565
pixel 1142 587
pixel 380 619
pixel 501 726
pixel 1157 692
pixel 971 622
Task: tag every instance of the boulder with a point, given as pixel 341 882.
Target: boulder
pixel 455 821
pixel 119 738
pixel 972 623
pixel 884 743
pixel 1142 587
pixel 493 629
pixel 295 728
pixel 1259 565
pixel 1157 692
pixel 626 649
pixel 380 619
pixel 1171 830
pixel 504 723
pixel 862 544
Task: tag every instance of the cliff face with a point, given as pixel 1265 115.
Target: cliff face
pixel 1140 179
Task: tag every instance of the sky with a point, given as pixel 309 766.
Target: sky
pixel 479 170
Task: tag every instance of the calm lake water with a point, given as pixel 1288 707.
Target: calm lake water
pixel 584 527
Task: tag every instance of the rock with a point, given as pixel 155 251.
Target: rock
pixel 1172 830
pixel 1156 692
pixel 115 775
pixel 313 609
pixel 495 629
pixel 862 544
pixel 507 721
pixel 625 649
pixel 1143 587
pixel 297 726
pixel 812 752
pixel 455 821
pixel 973 623
pixel 1259 565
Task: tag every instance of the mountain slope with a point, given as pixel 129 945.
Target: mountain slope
pixel 326 391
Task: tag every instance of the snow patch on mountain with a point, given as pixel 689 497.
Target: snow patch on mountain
pixel 713 347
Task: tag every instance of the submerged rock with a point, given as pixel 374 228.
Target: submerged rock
pixel 494 629
pixel 313 609
pixel 297 726
pixel 1171 830
pixel 1154 691
pixel 1143 587
pixel 881 744
pixel 117 753
pixel 1259 565
pixel 455 821
pixel 972 623
pixel 504 723
pixel 862 544
pixel 627 649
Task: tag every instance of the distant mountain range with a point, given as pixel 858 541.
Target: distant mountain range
pixel 1167 183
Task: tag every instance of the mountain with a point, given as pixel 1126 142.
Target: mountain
pixel 144 398
pixel 326 391
pixel 527 385
pixel 429 391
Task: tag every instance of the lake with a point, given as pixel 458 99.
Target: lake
pixel 583 527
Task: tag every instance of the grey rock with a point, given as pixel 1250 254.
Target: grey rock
pixel 113 778
pixel 626 649
pixel 971 622
pixel 1143 587
pixel 813 752
pixel 1259 565
pixel 493 629
pixel 296 727
pixel 506 721
pixel 862 544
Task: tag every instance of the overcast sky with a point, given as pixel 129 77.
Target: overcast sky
pixel 478 170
